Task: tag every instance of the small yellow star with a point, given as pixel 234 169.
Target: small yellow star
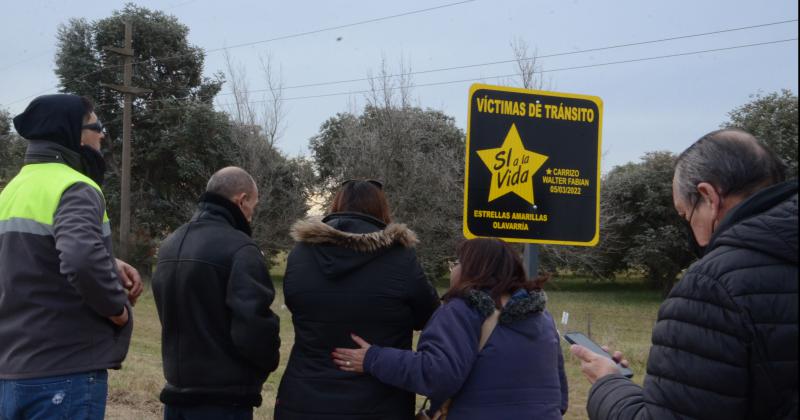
pixel 549 171
pixel 512 167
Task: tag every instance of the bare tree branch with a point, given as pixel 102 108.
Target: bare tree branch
pixel 529 70
pixel 284 184
pixel 274 114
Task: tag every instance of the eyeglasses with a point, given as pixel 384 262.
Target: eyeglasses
pixel 95 126
pixel 371 181
pixel 453 264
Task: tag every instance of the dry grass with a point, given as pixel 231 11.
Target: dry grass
pixel 622 316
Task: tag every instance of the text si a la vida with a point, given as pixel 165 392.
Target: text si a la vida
pixel 536 109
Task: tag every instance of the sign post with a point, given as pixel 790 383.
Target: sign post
pixel 530 258
pixel 533 167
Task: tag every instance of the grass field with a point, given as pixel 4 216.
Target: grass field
pixel 619 314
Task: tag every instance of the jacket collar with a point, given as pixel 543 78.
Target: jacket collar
pixel 522 304
pixel 333 217
pixel 377 235
pixel 43 151
pixel 754 205
pixel 224 207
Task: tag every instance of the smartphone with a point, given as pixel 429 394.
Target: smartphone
pixel 582 340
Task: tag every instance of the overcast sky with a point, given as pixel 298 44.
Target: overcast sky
pixel 659 104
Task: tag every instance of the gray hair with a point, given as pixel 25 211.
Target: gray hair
pixel 731 160
pixel 230 182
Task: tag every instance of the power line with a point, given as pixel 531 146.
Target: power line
pixel 634 60
pixel 25 60
pixel 491 63
pixel 609 63
pixel 279 38
pixel 348 25
pixel 505 62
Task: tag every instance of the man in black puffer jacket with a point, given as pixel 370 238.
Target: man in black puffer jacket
pixel 219 339
pixel 725 344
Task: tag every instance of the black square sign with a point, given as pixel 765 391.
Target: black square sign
pixel 533 166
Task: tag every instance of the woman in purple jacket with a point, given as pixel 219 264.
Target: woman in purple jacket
pixel 519 373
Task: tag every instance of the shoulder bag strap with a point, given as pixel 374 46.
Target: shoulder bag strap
pixel 487 327
pixel 486 331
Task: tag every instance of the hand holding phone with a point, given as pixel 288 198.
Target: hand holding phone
pixel 582 340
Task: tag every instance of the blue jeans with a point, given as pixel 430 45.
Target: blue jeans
pixel 80 396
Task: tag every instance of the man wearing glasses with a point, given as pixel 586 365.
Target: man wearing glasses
pixel 64 312
pixel 725 343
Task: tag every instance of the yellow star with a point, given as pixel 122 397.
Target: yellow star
pixel 512 167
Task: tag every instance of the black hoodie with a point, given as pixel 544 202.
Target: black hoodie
pixel 58 120
pixel 350 273
pixel 55 118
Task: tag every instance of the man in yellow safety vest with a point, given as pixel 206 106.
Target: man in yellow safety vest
pixel 65 314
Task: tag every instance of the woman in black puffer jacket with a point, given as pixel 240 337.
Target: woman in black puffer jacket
pixel 352 271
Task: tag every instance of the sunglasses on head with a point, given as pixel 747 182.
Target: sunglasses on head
pixel 371 181
pixel 95 126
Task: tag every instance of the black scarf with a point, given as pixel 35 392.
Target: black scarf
pixel 93 163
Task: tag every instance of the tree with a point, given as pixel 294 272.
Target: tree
pixel 418 154
pixel 170 169
pixel 12 150
pixel 639 227
pixel 647 221
pixel 600 262
pixel 284 183
pixel 772 118
pixel 179 140
pixel 5 122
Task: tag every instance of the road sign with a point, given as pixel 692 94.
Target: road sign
pixel 533 166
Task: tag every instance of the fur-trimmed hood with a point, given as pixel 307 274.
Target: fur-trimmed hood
pixel 314 230
pixel 343 242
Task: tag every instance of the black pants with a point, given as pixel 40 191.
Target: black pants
pixel 207 412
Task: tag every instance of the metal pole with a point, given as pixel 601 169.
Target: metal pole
pixel 530 257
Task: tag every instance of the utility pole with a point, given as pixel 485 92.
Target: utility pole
pixel 129 91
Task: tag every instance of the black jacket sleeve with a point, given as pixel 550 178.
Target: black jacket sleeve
pixel 254 327
pixel 422 296
pixel 698 364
